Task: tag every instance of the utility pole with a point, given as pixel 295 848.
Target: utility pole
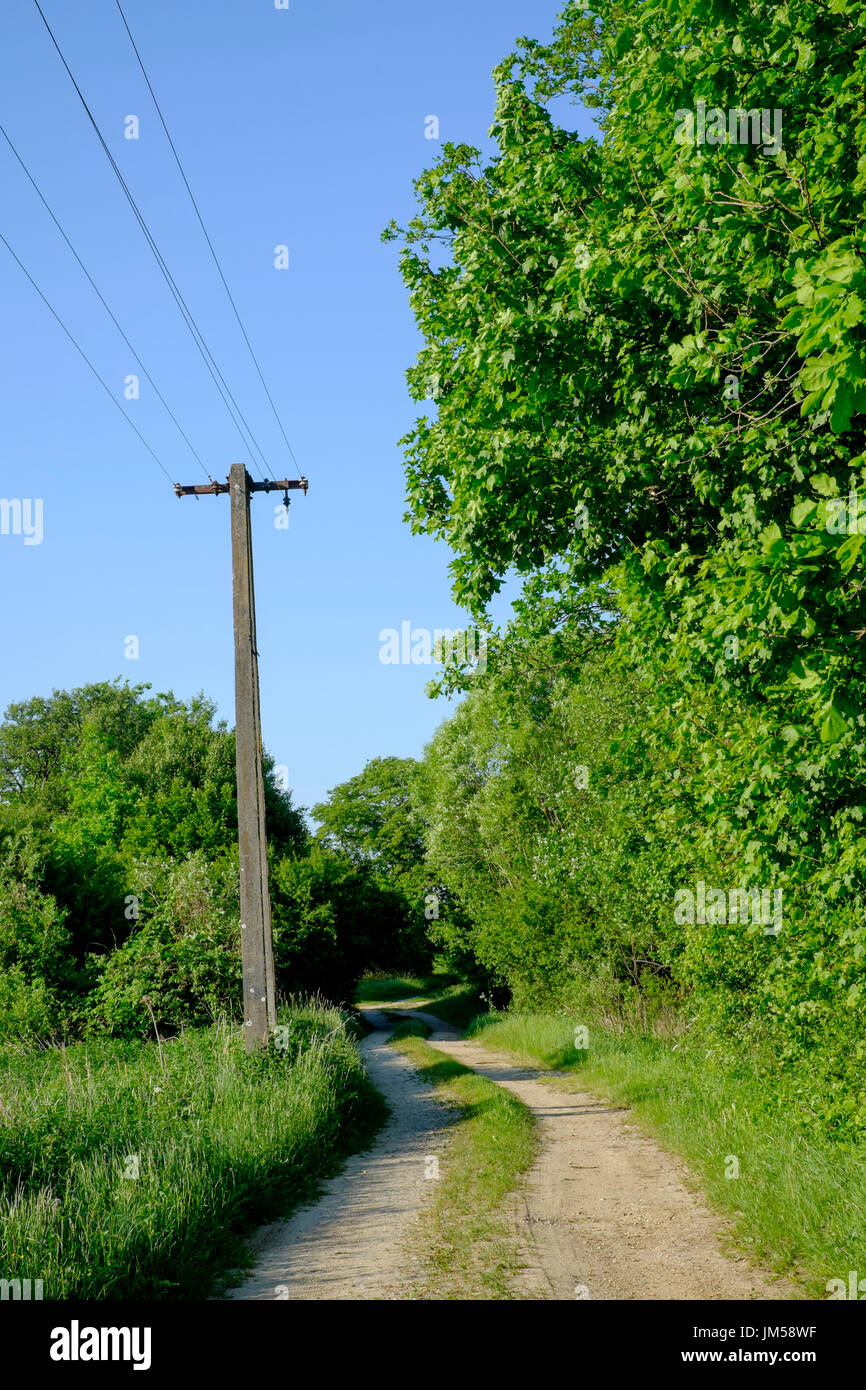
pixel 257 944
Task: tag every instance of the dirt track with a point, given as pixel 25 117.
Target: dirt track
pixel 349 1244
pixel 603 1214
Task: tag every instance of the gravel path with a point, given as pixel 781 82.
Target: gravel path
pixel 348 1244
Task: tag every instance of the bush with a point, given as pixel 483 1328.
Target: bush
pixel 29 1011
pixel 331 921
pixel 33 931
pixel 183 958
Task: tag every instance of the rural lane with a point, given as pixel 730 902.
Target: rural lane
pixel 603 1213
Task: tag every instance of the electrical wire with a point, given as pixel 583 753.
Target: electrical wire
pixel 108 310
pixel 80 349
pixel 207 237
pixel 186 313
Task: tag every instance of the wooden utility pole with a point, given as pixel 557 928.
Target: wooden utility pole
pixel 257 945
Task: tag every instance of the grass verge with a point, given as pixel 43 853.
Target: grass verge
pixel 132 1171
pixel 462 1235
pixel 795 1205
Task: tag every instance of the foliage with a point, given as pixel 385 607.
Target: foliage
pixel 332 920
pixel 119 877
pixel 541 834
pixel 183 963
pixel 373 819
pixel 646 360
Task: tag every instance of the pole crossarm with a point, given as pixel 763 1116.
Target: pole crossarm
pixel 204 489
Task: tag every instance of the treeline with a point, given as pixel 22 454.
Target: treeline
pixel 646 354
pixel 119 875
pixel 574 848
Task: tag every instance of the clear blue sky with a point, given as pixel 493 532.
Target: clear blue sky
pixel 302 127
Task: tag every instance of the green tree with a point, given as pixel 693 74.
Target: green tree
pixel 118 826
pixel 333 919
pixel 647 358
pixel 373 819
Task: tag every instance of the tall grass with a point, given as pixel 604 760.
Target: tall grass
pixel 132 1171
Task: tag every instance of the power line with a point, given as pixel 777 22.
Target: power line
pixel 103 302
pixel 80 349
pixel 186 313
pixel 206 236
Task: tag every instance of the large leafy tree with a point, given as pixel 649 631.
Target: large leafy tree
pixel 596 293
pixel 372 819
pixel 98 778
pixel 541 834
pixel 107 796
pixel 646 358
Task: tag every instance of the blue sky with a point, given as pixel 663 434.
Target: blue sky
pixel 302 128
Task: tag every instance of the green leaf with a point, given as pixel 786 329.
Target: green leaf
pixel 849 551
pixel 834 725
pixel 824 485
pixel 803 676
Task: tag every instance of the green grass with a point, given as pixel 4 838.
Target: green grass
pixel 219 1141
pixel 462 1236
pixel 446 996
pixel 798 1206
pixel 409 1028
pixel 540 1038
pixel 384 989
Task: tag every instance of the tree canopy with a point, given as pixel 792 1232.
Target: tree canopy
pixel 645 356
